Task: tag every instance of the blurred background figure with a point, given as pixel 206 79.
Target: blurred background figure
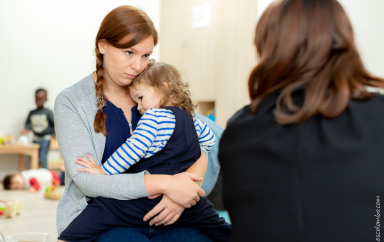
pixel 40 122
pixel 31 180
pixel 304 161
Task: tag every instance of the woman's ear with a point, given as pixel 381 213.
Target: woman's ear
pixel 102 45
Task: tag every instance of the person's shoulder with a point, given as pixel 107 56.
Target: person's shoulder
pixel 79 90
pixel 47 110
pixel 82 86
pixel 377 98
pixel 240 116
pixel 376 102
pixel 159 113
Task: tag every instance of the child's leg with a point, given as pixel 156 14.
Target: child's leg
pixel 55 178
pixel 104 213
pixel 204 217
pixel 43 151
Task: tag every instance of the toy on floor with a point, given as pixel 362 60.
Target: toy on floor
pixel 10 208
pixel 2 207
pixel 52 193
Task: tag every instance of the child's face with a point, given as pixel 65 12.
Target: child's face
pixel 40 98
pixel 145 96
pixel 17 182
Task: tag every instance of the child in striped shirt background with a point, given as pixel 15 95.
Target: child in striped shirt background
pixel 166 141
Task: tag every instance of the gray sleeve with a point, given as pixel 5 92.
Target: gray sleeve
pixel 76 138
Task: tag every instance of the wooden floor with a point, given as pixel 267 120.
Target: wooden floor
pixel 38 216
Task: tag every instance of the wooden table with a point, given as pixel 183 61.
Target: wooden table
pixel 28 149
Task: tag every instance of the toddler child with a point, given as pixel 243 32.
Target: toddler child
pixel 40 122
pixel 31 180
pixel 166 141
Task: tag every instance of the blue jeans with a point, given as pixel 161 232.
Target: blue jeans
pixel 43 151
pixel 154 234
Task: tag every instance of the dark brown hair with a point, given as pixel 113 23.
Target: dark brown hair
pixel 120 22
pixel 8 181
pixel 307 45
pixel 167 80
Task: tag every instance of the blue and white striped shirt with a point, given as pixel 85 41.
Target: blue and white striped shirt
pixel 153 131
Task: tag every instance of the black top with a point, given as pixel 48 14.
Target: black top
pixel 41 122
pixel 322 180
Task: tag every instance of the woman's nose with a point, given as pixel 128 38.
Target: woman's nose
pixel 137 65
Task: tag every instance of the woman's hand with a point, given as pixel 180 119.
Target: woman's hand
pixel 90 166
pixel 180 188
pixel 168 212
pixel 183 189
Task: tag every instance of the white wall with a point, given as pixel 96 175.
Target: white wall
pixel 47 43
pixel 367 20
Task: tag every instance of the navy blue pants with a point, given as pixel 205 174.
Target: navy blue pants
pixel 43 151
pixel 154 234
pixel 103 214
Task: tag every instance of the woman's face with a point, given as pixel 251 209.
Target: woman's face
pixel 121 66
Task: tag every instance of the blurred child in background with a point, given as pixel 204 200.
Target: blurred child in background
pixel 31 180
pixel 40 122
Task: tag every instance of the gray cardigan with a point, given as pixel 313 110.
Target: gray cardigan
pixel 75 109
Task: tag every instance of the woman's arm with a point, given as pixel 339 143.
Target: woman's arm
pixel 199 168
pixel 77 138
pixel 186 195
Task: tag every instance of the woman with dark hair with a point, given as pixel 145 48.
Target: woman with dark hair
pixel 304 161
pixel 96 115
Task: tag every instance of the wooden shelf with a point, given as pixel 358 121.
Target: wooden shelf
pixel 55 165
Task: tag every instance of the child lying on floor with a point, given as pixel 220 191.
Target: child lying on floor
pixel 31 180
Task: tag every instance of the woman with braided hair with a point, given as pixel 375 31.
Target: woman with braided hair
pixel 96 115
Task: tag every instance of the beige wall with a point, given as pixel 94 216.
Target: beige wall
pixel 216 60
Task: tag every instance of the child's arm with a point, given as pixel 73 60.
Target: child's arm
pixel 35 185
pixel 206 137
pixel 207 141
pixel 152 124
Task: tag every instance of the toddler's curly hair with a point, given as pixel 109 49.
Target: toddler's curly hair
pixel 166 79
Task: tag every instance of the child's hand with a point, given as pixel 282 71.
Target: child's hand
pixel 90 166
pixel 31 190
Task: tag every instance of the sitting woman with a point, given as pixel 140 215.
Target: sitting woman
pixel 96 115
pixel 307 151
pixel 166 141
